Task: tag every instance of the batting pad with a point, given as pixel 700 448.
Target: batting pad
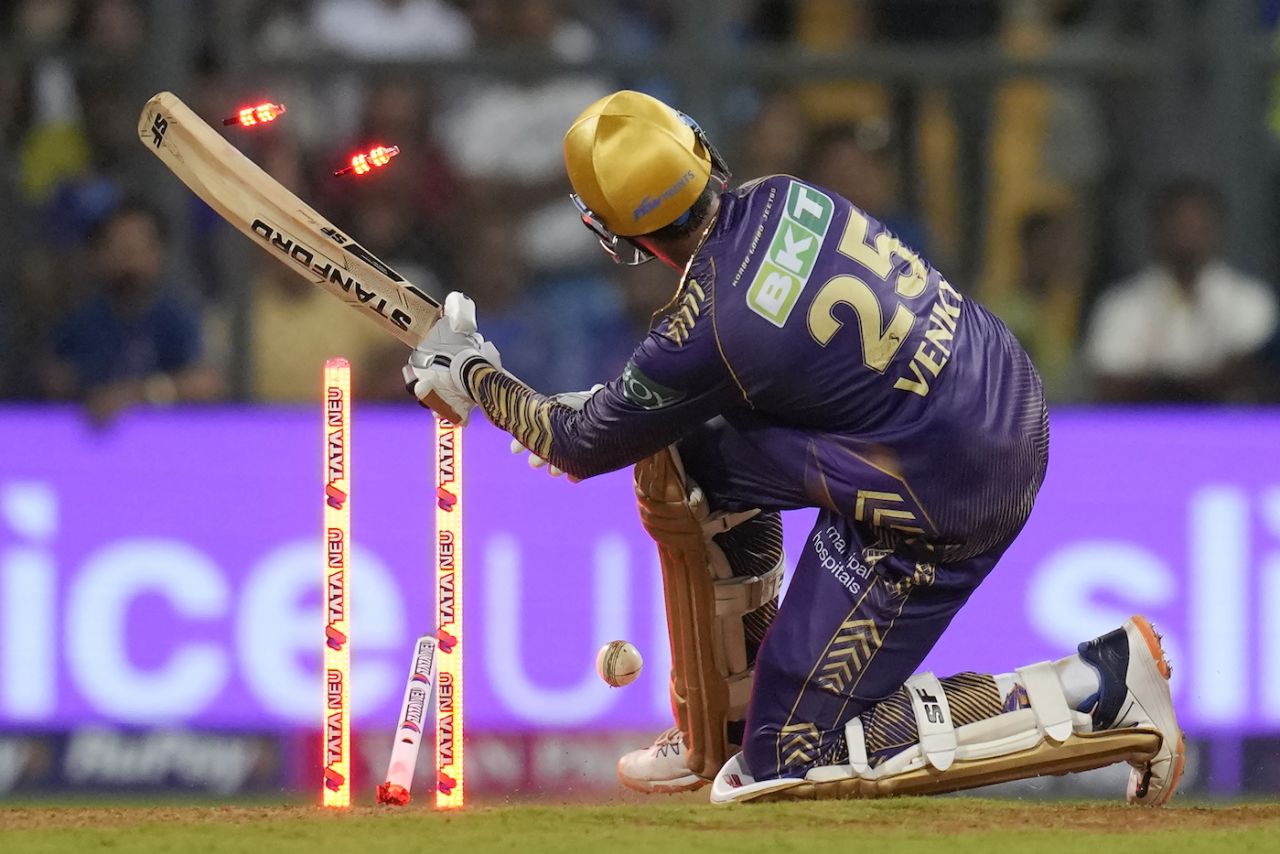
pixel 706 602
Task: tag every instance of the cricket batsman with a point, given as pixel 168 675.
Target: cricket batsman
pixel 808 358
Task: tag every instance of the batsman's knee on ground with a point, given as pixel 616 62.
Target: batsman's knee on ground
pixel 856 623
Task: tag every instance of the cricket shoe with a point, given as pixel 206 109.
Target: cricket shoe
pixel 659 769
pixel 1134 692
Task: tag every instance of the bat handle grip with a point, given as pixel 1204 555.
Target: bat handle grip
pixel 436 404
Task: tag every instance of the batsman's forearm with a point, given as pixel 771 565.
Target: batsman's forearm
pixel 569 439
pixel 512 405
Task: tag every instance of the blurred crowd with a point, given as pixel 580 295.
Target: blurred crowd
pixel 123 289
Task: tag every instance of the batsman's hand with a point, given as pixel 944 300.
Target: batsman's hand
pixel 433 374
pixel 572 399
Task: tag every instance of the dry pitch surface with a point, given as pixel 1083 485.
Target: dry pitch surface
pixel 950 825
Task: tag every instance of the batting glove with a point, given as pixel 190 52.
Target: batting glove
pixel 434 366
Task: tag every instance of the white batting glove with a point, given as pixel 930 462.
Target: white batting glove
pixel 572 399
pixel 434 365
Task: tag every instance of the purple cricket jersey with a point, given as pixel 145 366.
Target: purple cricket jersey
pixel 865 383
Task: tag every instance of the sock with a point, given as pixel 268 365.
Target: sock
pixel 1080 682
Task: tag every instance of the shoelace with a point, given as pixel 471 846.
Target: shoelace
pixel 671 740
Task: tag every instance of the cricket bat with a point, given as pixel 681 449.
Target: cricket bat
pixel 285 226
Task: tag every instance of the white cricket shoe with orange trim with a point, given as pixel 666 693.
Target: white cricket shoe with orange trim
pixel 1134 692
pixel 659 769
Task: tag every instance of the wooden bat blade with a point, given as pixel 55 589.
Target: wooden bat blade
pixel 281 223
pixel 286 227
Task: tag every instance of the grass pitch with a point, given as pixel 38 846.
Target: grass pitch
pixel 951 825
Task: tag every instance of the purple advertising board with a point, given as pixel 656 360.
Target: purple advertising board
pixel 167 571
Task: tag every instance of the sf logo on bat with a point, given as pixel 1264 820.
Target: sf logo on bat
pixel 158 127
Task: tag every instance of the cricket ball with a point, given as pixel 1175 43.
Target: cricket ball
pixel 619 663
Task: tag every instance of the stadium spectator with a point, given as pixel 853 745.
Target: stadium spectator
pixel 1044 309
pixel 134 341
pixel 504 135
pixel 391 29
pixel 1038 139
pixel 291 314
pixel 77 202
pixel 44 24
pixel 114 29
pixel 777 140
pixel 1188 326
pixel 826 27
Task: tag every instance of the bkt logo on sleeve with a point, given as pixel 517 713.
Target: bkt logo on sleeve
pixel 645 392
pixel 792 254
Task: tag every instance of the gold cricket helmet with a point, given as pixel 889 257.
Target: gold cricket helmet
pixel 636 165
